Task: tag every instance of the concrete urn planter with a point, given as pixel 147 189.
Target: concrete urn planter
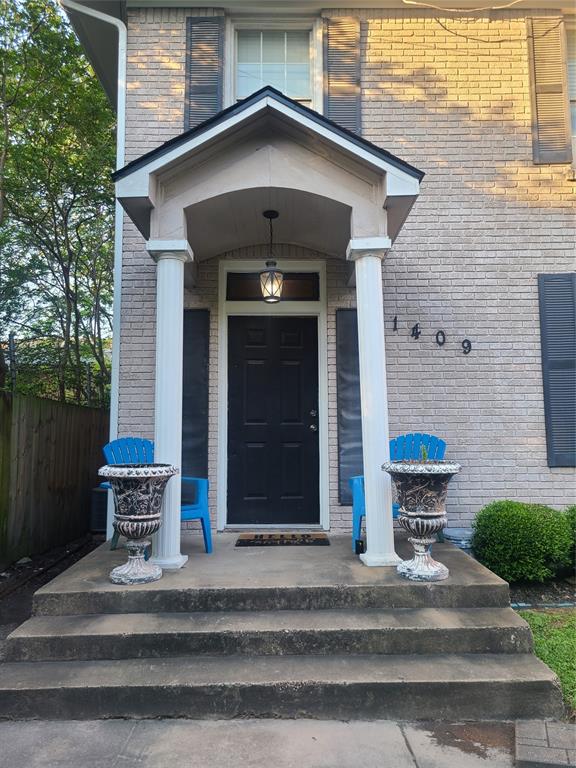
pixel 422 487
pixel 138 492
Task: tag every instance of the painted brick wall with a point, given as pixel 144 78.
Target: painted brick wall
pixel 154 114
pixel 451 96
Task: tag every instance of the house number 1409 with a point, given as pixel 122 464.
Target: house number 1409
pixel 440 338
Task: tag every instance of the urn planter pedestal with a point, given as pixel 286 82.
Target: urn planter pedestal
pixel 422 487
pixel 138 492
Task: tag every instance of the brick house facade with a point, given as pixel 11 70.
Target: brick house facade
pixel 449 93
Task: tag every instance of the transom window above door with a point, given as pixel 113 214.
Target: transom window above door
pixel 276 57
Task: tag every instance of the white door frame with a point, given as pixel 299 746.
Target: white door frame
pixel 258 308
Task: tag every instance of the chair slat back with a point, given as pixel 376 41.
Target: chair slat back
pixel 409 447
pixel 129 450
pixel 356 484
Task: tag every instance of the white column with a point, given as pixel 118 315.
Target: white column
pixel 367 256
pixel 170 258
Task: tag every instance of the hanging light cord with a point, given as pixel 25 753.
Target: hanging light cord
pixel 271 236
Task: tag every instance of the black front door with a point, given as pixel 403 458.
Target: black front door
pixel 273 462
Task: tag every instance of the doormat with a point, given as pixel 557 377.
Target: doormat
pixel 283 540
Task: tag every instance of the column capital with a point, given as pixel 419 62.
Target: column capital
pixel 368 246
pixel 170 249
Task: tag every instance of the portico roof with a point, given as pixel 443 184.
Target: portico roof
pixel 269 120
pixel 267 97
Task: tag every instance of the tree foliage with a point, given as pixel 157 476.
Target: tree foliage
pixel 56 205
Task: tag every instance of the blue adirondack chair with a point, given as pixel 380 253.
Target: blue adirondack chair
pixel 136 450
pixel 404 447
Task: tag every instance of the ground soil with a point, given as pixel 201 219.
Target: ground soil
pixel 556 592
pixel 19 582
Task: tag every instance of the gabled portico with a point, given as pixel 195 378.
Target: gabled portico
pixel 203 193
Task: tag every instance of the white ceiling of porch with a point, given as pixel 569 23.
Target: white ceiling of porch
pixel 235 220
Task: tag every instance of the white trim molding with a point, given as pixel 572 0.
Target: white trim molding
pixel 360 246
pixel 259 308
pixel 173 249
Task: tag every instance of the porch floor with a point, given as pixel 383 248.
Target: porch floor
pixel 275 568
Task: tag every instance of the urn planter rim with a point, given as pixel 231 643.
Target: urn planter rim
pixel 422 467
pixel 137 470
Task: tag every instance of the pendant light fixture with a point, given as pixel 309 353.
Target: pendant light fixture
pixel 271 279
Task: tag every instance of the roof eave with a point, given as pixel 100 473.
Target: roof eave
pixel 100 41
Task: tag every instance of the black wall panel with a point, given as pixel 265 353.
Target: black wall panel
pixel 195 393
pixel 349 414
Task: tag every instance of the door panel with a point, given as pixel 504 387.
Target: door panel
pixel 273 461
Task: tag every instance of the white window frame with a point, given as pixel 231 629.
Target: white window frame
pixel 318 309
pixel 259 23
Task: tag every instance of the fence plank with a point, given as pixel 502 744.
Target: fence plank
pixel 5 448
pixel 49 456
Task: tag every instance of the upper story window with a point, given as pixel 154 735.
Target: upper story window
pixel 285 54
pixel 280 58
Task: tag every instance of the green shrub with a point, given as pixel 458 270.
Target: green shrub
pixel 570 513
pixel 522 542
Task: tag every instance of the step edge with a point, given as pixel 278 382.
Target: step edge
pixel 70 625
pixel 440 663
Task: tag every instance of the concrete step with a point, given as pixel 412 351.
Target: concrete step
pixel 400 631
pixel 146 598
pixel 259 579
pixel 442 687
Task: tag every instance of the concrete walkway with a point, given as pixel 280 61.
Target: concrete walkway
pixel 254 744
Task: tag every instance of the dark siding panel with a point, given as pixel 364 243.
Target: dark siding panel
pixel 204 69
pixel 195 393
pixel 349 415
pixel 557 295
pixel 551 130
pixel 342 96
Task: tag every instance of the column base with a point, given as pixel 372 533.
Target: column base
pixel 170 563
pixel 384 559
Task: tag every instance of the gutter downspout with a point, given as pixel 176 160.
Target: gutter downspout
pixel 118 221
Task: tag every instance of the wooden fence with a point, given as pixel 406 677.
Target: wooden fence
pixel 49 456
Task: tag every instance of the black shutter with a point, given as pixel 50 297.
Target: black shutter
pixel 349 414
pixel 551 130
pixel 342 97
pixel 204 68
pixel 195 394
pixel 557 294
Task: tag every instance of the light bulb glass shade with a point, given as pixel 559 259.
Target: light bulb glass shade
pixel 271 283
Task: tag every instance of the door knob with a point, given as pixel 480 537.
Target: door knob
pixel 313 428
